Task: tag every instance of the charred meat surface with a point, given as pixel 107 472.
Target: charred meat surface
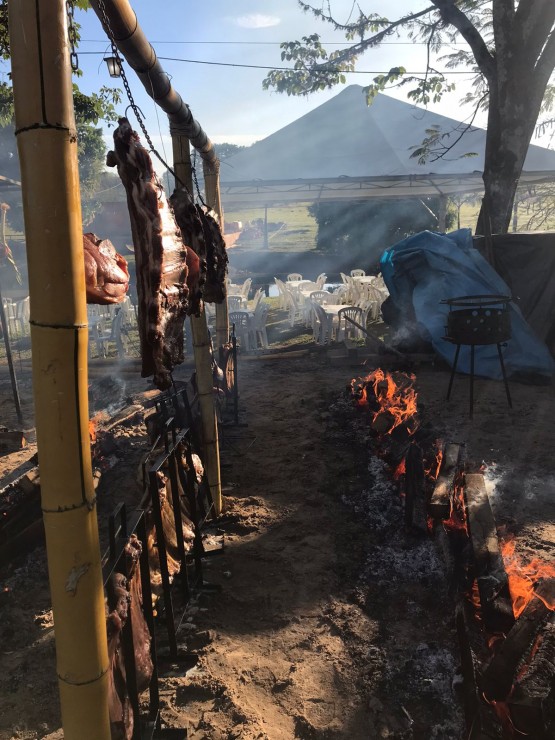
pixel 106 273
pixel 216 260
pixel 192 231
pixel 160 256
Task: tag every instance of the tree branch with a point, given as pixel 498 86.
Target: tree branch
pixel 546 63
pixel 532 27
pixel 455 17
pixel 377 38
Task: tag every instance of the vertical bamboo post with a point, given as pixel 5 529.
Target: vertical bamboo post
pixel 213 200
pixel 202 351
pixel 47 143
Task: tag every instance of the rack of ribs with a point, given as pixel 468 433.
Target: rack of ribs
pixel 160 258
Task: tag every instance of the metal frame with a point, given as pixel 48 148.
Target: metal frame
pixel 120 530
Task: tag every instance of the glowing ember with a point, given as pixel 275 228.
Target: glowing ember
pixel 92 430
pixel 395 398
pixel 400 470
pixel 457 518
pixel 433 471
pixel 524 576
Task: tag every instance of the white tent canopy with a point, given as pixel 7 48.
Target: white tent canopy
pixel 345 149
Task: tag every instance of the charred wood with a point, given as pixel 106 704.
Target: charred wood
pixel 493 583
pixel 440 502
pixel 532 701
pixel 480 723
pixel 415 510
pixel 499 676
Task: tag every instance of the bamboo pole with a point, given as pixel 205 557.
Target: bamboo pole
pixel 47 143
pixel 213 200
pixel 202 348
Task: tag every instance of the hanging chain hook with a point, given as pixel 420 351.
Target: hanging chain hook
pixel 72 35
pixel 132 104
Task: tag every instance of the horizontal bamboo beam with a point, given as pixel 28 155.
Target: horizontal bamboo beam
pixel 120 23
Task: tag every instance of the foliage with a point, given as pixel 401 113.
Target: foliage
pixel 510 50
pixel 368 227
pixel 89 111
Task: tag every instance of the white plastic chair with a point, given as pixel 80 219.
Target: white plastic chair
pixel 340 293
pixel 323 326
pixel 357 273
pixel 256 299
pixel 321 280
pixel 294 276
pixel 296 313
pixel 245 288
pixel 281 292
pixel 258 325
pixel 345 328
pixel 21 315
pixel 320 297
pixel 242 327
pixel 235 302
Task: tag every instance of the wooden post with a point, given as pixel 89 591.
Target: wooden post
pixel 213 200
pixel 47 143
pixel 202 348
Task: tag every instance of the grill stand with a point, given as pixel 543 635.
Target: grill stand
pixel 454 370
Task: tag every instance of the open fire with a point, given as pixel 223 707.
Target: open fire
pixel 512 675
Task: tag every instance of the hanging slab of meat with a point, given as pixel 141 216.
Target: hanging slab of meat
pixel 141 633
pixel 192 233
pixel 216 259
pixel 121 714
pixel 106 273
pixel 160 258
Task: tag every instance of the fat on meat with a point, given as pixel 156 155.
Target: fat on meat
pixel 160 258
pixel 192 232
pixel 202 232
pixel 106 272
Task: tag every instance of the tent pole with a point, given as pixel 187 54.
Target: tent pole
pixel 202 348
pixel 213 200
pixel 47 143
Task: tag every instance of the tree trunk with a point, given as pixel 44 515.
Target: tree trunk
pixel 514 108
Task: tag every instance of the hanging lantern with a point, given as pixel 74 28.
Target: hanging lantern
pixel 114 66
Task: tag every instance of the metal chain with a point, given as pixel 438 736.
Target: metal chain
pixel 195 179
pixel 72 35
pixel 138 116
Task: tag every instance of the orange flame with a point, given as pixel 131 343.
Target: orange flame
pixel 523 577
pixel 457 518
pixel 92 430
pixel 433 471
pixel 400 470
pixel 399 401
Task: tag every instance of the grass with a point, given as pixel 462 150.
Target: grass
pixel 297 234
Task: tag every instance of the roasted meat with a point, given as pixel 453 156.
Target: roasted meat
pixel 192 233
pixel 160 258
pixel 106 273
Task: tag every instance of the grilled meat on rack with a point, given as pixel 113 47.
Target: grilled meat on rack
pixel 160 257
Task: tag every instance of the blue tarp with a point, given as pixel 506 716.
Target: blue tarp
pixel 427 268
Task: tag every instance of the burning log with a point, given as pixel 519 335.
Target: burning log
pixel 493 583
pixel 499 676
pixel 440 503
pixel 532 701
pixel 480 723
pixel 415 513
pixel 12 440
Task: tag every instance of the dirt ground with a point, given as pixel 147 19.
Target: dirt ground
pixel 332 622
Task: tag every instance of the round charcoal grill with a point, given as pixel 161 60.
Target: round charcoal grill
pixel 478 320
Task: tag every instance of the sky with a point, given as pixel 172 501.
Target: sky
pixel 228 101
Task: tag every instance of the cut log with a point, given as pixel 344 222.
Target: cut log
pixel 10 440
pixel 500 675
pixel 493 583
pixel 415 510
pixel 440 503
pixel 480 723
pixel 532 701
